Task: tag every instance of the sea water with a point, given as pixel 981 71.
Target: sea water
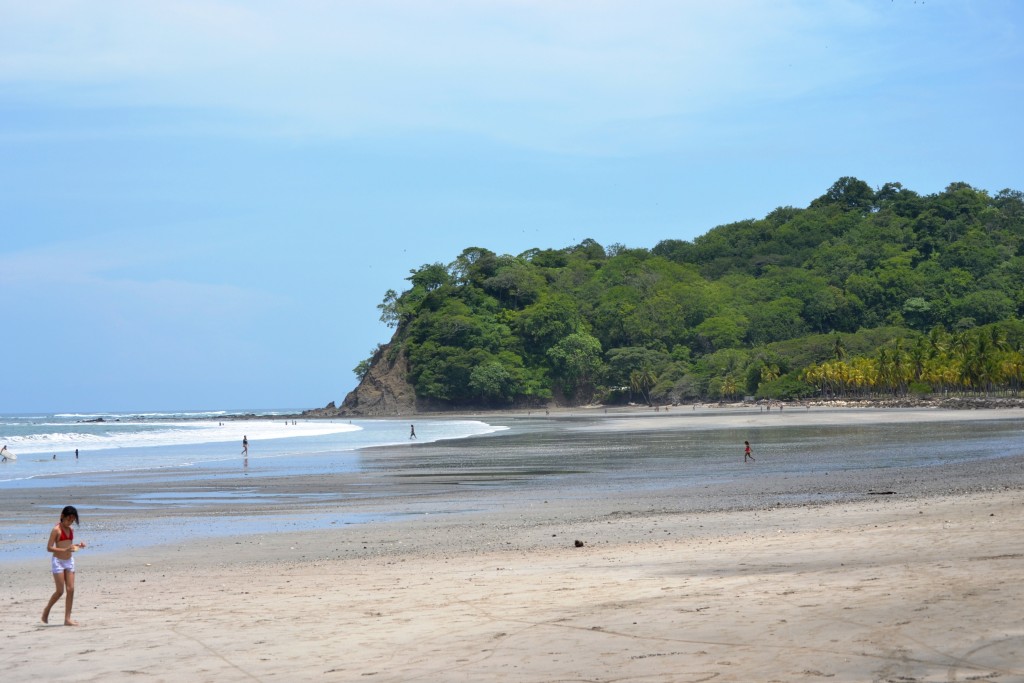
pixel 194 461
pixel 52 447
pixel 616 456
pixel 182 458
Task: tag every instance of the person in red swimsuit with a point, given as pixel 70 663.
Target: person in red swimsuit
pixel 61 545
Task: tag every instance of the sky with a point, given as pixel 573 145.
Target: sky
pixel 203 202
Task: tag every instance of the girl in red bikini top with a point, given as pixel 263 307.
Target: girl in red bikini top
pixel 62 538
pixel 62 546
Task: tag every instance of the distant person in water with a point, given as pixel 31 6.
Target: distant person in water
pixel 245 445
pixel 412 431
pixel 746 451
pixel 76 454
pixel 62 563
pixel 3 452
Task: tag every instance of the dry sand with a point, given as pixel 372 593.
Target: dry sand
pixel 892 588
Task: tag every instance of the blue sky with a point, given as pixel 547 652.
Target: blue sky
pixel 202 202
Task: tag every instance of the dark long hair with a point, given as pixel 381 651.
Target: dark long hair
pixel 68 511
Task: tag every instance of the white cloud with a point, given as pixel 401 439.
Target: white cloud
pixel 351 66
pixel 531 71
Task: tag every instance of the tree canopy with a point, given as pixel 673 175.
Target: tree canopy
pixel 877 291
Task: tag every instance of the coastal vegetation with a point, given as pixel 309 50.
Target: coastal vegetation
pixel 865 292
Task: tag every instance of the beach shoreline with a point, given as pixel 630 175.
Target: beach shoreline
pixel 909 575
pixel 912 402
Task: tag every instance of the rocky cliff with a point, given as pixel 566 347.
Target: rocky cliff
pixel 384 390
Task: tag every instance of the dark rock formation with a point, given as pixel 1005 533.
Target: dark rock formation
pixel 385 389
pixel 329 410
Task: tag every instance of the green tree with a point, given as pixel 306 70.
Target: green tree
pixel 730 386
pixel 768 373
pixel 641 382
pixel 917 312
pixel 776 320
pixel 576 361
pixel 984 307
pixel 838 347
pixel 430 276
pixel 474 265
pixel 389 314
pixel 492 381
pixel 849 194
pixel 515 284
pixel 733 304
pixel 621 363
pixel 721 332
pixel 542 324
pixel 362 369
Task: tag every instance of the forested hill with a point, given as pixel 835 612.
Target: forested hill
pixel 863 292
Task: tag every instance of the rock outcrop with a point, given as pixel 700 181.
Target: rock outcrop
pixel 385 389
pixel 329 410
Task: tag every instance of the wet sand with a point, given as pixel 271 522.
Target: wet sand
pixel 917 580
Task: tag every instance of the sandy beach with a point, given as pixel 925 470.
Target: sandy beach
pixel 917 582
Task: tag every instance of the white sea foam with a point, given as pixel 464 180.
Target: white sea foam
pixel 156 434
pixel 46 447
pixel 189 414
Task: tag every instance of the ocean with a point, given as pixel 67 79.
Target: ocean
pixel 194 442
pixel 146 478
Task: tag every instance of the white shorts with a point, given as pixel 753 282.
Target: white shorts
pixel 58 566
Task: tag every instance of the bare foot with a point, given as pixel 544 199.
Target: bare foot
pixel 46 616
pixel 69 622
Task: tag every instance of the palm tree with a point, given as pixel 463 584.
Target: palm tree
pixel 918 356
pixel 730 386
pixel 647 381
pixel 769 373
pixel 997 336
pixel 864 374
pixel 634 383
pixel 984 366
pixel 838 348
pixel 814 376
pixel 1013 371
pixel 938 342
pixel 884 361
pixel 899 370
pixel 641 382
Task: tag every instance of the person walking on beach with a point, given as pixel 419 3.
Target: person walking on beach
pixel 746 451
pixel 412 431
pixel 62 563
pixel 245 445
